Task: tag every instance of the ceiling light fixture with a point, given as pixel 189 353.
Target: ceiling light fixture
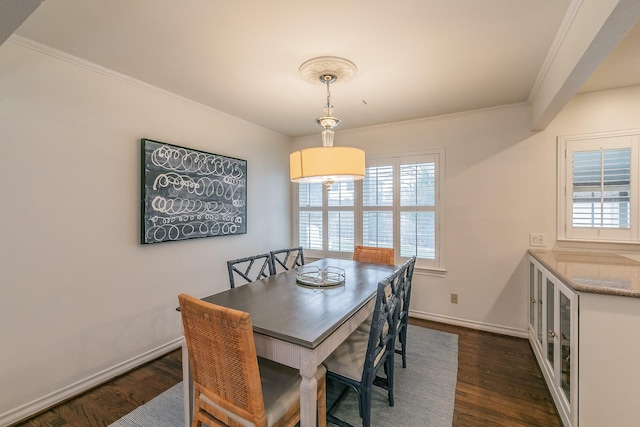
pixel 327 164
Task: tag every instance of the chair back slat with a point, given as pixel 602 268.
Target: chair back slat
pixel 286 259
pixel 373 254
pixel 249 269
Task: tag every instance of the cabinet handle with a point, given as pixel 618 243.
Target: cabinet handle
pixel 552 334
pixel 533 301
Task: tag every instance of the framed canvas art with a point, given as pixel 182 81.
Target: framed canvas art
pixel 188 193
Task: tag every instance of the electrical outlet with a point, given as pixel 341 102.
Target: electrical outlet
pixel 537 239
pixel 454 298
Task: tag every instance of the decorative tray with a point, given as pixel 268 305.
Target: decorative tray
pixel 316 277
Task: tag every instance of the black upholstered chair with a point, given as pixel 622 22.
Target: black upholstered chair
pixel 403 317
pixel 357 362
pixel 286 259
pixel 249 269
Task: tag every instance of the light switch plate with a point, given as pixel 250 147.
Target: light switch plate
pixel 537 239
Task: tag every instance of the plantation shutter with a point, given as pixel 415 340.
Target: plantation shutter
pixel 417 210
pixel 396 205
pixel 377 206
pixel 341 217
pixel 310 230
pixel 602 188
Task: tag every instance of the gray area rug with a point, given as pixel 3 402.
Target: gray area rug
pixel 424 391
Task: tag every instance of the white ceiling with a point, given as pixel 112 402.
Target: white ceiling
pixel 415 59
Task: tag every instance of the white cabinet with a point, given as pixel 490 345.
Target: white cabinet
pixel 535 308
pixel 553 333
pixel 598 295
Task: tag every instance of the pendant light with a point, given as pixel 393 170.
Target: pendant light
pixel 327 164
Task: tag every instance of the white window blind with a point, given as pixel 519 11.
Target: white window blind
pixel 377 201
pixel 310 230
pixel 377 188
pixel 602 188
pixel 310 224
pixel 341 231
pixel 396 205
pixel 341 217
pixel 417 210
pixel 341 194
pixel 310 195
pixel 598 187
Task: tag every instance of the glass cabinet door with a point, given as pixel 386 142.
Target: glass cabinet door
pixel 532 296
pixel 539 285
pixel 565 344
pixel 553 324
pixel 551 334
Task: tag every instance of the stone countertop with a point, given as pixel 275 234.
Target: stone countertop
pixel 599 273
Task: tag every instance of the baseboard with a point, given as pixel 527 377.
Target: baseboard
pixel 498 329
pixel 52 399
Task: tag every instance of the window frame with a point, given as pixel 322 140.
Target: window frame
pixel 566 146
pixel 435 265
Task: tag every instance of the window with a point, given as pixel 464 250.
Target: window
pixel 598 194
pixel 377 206
pixel 417 210
pixel 310 219
pixel 396 205
pixel 341 217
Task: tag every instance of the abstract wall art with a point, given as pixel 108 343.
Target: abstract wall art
pixel 188 193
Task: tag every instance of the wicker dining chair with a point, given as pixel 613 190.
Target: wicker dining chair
pixel 357 361
pixel 286 259
pixel 249 269
pixel 373 254
pixel 232 386
pixel 403 316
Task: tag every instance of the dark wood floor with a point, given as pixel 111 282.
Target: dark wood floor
pixel 499 384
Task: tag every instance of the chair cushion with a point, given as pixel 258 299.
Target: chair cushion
pixel 281 387
pixel 280 390
pixel 348 359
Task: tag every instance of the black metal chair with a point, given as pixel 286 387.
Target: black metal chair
pixel 403 317
pixel 358 360
pixel 286 259
pixel 249 269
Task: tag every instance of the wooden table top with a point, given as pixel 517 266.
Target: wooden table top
pixel 282 309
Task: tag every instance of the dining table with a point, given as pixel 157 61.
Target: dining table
pixel 300 324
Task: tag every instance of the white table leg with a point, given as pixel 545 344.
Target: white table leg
pixel 187 387
pixel 308 393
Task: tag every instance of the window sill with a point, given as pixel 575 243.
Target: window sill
pixel 434 272
pixel 597 245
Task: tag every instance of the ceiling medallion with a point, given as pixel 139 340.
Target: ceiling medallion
pixel 327 164
pixel 342 69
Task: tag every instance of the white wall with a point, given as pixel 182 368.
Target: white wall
pixel 488 212
pixel 500 185
pixel 78 293
pixel 596 112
